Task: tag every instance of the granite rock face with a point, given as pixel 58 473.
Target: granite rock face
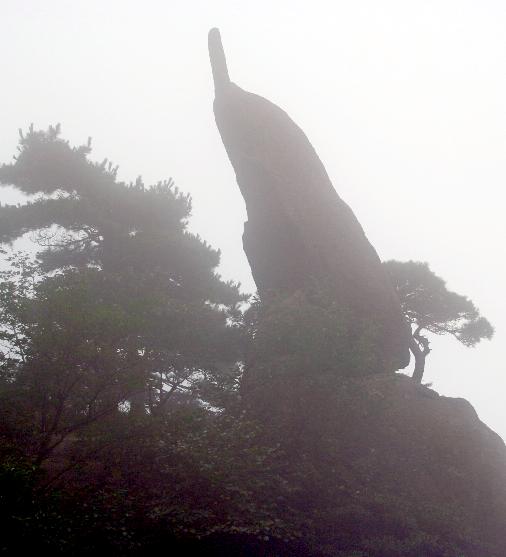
pixel 299 231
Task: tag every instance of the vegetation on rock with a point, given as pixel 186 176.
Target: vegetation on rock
pixel 429 306
pixel 141 411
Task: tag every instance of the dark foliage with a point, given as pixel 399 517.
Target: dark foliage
pixel 127 427
pixel 429 306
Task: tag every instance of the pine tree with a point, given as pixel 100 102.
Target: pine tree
pixel 123 307
pixel 429 306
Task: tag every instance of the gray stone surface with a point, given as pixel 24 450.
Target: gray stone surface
pixel 299 231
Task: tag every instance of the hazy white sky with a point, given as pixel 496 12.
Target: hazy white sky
pixel 403 100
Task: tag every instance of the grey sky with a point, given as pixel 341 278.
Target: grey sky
pixel 403 100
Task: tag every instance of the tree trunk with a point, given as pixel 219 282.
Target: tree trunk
pixel 420 356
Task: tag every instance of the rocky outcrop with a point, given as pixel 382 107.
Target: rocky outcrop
pixel 299 232
pixel 384 467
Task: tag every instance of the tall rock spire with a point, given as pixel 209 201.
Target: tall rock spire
pixel 299 231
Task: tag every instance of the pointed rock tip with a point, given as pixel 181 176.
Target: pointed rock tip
pixel 218 60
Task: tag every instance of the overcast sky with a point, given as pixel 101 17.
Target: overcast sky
pixel 404 102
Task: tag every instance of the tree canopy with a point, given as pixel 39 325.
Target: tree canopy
pixel 123 305
pixel 429 306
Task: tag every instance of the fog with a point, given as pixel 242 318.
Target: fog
pixel 403 101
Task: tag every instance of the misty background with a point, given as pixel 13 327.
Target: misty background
pixel 404 102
